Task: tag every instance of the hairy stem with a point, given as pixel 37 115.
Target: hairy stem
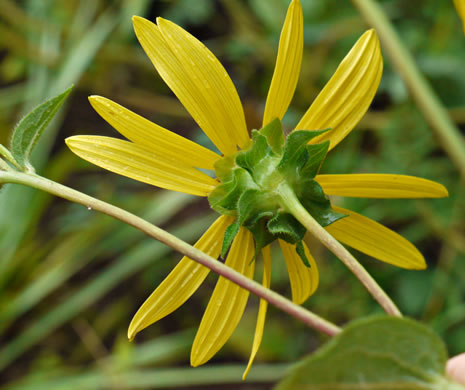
pixel 4 166
pixel 41 183
pixel 429 104
pixel 293 206
pixel 7 155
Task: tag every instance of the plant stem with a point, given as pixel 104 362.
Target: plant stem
pixel 4 166
pixel 292 204
pixel 41 183
pixel 7 154
pixel 429 104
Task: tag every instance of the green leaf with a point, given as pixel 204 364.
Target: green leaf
pixel 299 248
pixel 224 168
pixel 250 179
pixel 324 215
pixel 286 227
pixel 316 155
pixel 224 197
pixel 250 212
pixel 295 153
pixel 30 128
pixel 273 131
pixel 229 234
pixel 376 353
pixel 250 207
pixel 261 236
pixel 249 158
pixel 316 202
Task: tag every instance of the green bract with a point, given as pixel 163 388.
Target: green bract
pixel 252 181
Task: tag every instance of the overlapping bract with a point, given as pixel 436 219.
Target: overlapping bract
pixel 157 156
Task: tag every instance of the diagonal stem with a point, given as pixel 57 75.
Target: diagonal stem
pixel 6 154
pixel 41 183
pixel 292 204
pixel 4 166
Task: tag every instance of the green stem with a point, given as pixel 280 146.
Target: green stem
pixel 7 154
pixel 41 183
pixel 429 104
pixel 292 204
pixel 4 166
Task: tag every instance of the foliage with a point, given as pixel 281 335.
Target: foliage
pixel 250 182
pixel 375 353
pixel 70 279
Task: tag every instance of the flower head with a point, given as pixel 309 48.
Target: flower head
pixel 247 167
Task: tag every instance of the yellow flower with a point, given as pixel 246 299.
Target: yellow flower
pixel 157 156
pixel 460 6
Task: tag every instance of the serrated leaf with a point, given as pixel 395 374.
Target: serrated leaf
pixel 377 353
pixel 286 227
pixel 31 127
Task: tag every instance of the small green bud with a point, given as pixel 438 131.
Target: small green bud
pixel 250 182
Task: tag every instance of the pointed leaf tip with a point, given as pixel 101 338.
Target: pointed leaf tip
pixel 31 127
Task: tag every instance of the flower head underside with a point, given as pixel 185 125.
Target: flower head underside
pixel 162 158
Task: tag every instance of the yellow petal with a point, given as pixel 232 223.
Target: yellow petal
pixel 137 162
pixel 460 6
pixel 226 304
pixel 198 80
pixel 304 280
pixel 161 141
pixel 203 67
pixel 182 282
pixel 380 186
pixel 288 62
pixel 257 340
pixel 347 96
pixel 375 240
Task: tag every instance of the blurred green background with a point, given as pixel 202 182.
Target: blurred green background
pixel 71 279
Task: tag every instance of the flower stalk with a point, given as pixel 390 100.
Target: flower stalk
pixel 293 206
pixel 41 183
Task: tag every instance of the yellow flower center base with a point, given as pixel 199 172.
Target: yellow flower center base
pixel 253 179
